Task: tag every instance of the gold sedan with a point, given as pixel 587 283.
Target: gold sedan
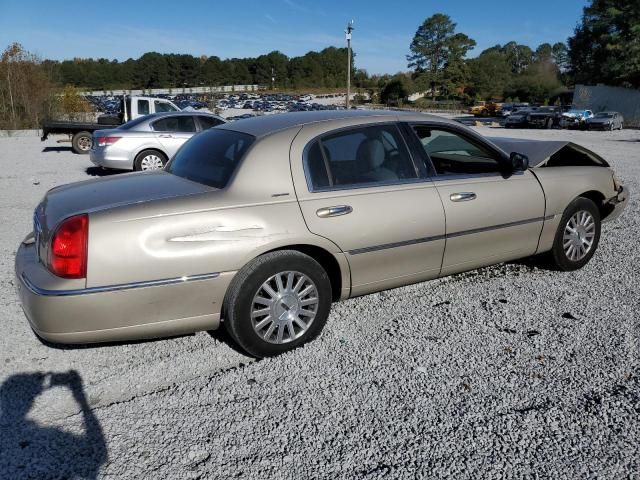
pixel 261 224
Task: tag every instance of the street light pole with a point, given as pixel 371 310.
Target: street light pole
pixel 348 31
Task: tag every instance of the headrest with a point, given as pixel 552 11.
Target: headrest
pixel 370 155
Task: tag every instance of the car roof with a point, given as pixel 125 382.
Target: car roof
pixel 267 124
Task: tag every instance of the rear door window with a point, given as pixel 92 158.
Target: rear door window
pixel 207 122
pixel 178 123
pixel 364 156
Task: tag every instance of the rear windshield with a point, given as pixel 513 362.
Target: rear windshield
pixel 210 157
pixel 134 123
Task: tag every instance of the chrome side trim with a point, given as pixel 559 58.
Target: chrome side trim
pixel 497 227
pixel 405 243
pixel 114 288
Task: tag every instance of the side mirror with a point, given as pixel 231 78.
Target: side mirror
pixel 519 162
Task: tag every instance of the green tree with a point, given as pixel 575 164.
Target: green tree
pixel 395 92
pixel 491 74
pixel 437 53
pixel 560 54
pixel 605 46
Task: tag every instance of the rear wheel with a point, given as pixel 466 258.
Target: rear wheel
pixel 577 236
pixel 81 142
pixel 150 160
pixel 277 302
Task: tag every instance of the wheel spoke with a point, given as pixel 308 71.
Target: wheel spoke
pixel 270 291
pixel 269 331
pixel 263 301
pixel 262 323
pixel 260 313
pixel 280 332
pixel 279 284
pixel 290 279
pixel 309 301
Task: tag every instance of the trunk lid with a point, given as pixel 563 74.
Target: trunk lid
pixel 108 192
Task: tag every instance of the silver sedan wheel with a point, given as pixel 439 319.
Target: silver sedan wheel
pixel 579 234
pixel 284 307
pixel 151 162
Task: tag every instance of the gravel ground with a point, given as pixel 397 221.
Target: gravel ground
pixel 505 372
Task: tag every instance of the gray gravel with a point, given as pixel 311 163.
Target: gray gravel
pixel 505 372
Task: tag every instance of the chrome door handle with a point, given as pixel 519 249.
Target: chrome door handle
pixel 462 196
pixel 334 211
pixel 166 135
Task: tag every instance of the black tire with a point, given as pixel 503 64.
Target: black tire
pixel 558 254
pixel 81 142
pixel 248 282
pixel 138 165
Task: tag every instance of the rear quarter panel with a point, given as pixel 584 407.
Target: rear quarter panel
pixel 562 185
pixel 218 231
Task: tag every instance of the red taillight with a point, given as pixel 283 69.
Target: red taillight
pixel 105 141
pixel 68 255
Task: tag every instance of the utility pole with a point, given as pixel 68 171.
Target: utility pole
pixel 273 79
pixel 348 31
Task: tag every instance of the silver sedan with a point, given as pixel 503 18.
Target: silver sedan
pixel 148 142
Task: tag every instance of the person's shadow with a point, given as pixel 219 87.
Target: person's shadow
pixel 29 450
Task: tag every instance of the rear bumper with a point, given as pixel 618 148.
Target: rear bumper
pixel 108 157
pixel 119 312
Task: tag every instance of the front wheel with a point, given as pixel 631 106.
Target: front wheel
pixel 277 302
pixel 577 236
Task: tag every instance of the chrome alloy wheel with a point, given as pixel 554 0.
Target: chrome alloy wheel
pixel 284 307
pixel 151 162
pixel 579 234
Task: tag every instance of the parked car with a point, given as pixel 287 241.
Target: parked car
pixel 519 117
pixel 148 142
pixel 575 118
pixel 545 117
pixel 80 132
pixel 606 121
pixel 485 109
pixel 509 108
pixel 263 223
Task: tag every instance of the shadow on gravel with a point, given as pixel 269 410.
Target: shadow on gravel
pixel 29 450
pixel 222 336
pixel 80 346
pixel 101 172
pixel 57 149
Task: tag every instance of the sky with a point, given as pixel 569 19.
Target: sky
pixel 247 28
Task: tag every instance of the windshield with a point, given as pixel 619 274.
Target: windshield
pixel 210 157
pixel 134 123
pixel 604 115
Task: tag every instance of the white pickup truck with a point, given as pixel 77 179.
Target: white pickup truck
pixel 80 133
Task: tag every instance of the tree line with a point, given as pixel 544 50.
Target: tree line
pixel 324 69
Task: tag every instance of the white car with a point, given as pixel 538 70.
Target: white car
pixel 148 142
